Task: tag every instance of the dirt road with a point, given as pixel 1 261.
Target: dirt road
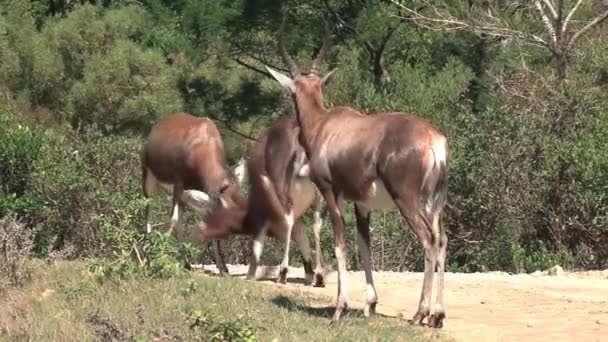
pixel 485 306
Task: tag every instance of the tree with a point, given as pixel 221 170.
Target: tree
pixel 542 23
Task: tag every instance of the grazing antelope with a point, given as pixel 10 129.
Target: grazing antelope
pixel 184 155
pixel 280 193
pixel 382 161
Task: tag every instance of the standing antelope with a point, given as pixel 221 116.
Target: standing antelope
pixel 382 161
pixel 280 193
pixel 184 155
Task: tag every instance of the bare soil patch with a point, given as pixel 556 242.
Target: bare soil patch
pixel 493 306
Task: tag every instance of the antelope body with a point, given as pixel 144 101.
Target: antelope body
pixel 280 193
pixel 184 155
pixel 382 161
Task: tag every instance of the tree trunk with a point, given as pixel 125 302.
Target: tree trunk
pixel 561 64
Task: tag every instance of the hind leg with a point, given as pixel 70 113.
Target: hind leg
pixel 371 297
pixel 436 319
pixel 422 228
pixel 304 246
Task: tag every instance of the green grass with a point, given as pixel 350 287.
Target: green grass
pixel 65 303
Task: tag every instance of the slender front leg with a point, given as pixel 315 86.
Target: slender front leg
pixel 316 228
pixel 176 215
pixel 147 213
pixel 288 222
pixel 335 205
pixel 258 246
pixel 371 297
pixel 219 258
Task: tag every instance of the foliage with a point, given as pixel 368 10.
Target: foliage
pixel 141 254
pixel 81 82
pixel 222 331
pixel 21 147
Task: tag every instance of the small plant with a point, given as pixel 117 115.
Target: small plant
pixel 215 331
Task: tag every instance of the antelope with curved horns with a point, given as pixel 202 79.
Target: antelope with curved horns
pixel 280 193
pixel 184 155
pixel 384 161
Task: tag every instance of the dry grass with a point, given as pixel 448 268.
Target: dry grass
pixel 65 303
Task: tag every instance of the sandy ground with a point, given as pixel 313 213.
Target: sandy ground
pixel 491 306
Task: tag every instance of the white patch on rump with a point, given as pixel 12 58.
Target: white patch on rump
pixel 439 151
pixel 378 197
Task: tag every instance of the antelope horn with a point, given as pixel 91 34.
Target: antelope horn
pixel 326 43
pixel 291 65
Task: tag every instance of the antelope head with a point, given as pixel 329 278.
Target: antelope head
pixel 310 83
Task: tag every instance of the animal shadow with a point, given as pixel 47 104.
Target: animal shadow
pixel 325 311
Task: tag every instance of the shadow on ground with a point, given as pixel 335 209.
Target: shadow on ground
pixel 325 311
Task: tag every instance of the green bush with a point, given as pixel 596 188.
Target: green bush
pixel 21 147
pixel 83 178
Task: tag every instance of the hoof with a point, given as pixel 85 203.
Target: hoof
pixel 309 279
pixel 436 320
pixel 319 281
pixel 369 310
pixel 282 278
pixel 418 317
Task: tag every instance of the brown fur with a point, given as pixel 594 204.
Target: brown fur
pixel 277 156
pixel 187 152
pixel 350 153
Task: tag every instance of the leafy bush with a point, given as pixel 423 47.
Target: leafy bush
pixel 85 180
pixel 21 147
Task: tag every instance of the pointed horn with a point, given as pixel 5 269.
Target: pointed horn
pixel 291 65
pixel 326 43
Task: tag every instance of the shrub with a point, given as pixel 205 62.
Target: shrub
pixel 21 147
pixel 15 248
pixel 85 180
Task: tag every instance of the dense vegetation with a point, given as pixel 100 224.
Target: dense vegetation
pixel 81 83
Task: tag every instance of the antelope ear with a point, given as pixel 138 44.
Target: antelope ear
pixel 285 81
pixel 329 77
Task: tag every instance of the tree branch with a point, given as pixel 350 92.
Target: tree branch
pixel 551 9
pixel 443 23
pixel 593 23
pixel 548 23
pixel 569 16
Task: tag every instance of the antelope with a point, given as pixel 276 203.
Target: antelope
pixel 384 161
pixel 184 155
pixel 280 193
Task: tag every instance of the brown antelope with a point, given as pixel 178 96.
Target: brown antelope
pixel 184 155
pixel 382 161
pixel 280 193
